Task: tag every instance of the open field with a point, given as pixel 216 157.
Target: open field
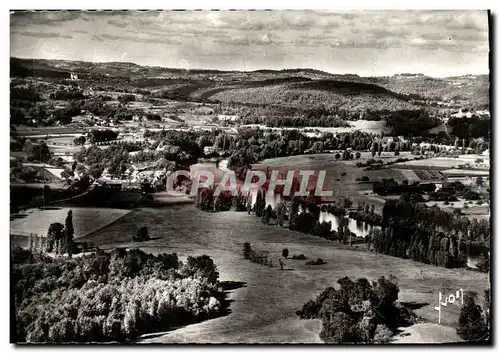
pixel 85 220
pixel 465 172
pixel 61 141
pixel 442 162
pixel 264 309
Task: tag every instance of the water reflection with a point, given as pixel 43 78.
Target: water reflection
pixel 360 228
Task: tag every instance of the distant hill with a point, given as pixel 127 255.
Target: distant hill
pixel 290 87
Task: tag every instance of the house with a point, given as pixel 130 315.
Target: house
pixel 228 117
pixel 209 149
pixel 461 114
pixel 106 175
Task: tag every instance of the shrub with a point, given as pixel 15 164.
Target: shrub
pixel 284 252
pixel 141 235
pixel 299 257
pixel 201 266
pixel 338 329
pixel 247 250
pixel 318 261
pixel 484 263
pixel 364 178
pixel 382 334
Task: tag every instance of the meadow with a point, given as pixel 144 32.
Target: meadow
pixel 263 310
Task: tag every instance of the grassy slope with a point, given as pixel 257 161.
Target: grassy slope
pixel 264 309
pixel 85 220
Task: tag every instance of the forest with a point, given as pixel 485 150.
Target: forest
pixel 113 296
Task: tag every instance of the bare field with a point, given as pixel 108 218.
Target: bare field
pixel 263 310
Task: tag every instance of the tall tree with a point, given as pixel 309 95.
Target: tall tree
pixel 69 232
pixel 55 236
pixel 471 323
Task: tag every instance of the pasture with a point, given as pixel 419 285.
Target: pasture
pixel 264 303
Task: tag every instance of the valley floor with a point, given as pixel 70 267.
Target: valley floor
pixel 265 301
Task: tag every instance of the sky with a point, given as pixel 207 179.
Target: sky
pixel 367 43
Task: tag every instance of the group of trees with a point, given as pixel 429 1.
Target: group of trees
pixel 115 158
pixel 113 296
pixel 473 325
pixel 359 312
pixel 405 122
pixel 391 187
pixel 253 145
pixel 36 151
pixel 80 140
pixel 97 135
pixel 256 256
pixel 126 98
pixel 297 122
pixel 59 237
pixel 450 191
pixel 206 200
pixel 64 94
pixel 470 128
pixel 427 234
pixel 177 150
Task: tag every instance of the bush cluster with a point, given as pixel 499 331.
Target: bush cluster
pixel 359 312
pixel 256 256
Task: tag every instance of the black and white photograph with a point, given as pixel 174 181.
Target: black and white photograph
pixel 250 177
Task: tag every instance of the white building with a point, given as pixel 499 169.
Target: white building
pixel 228 117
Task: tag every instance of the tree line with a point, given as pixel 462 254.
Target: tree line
pixel 427 234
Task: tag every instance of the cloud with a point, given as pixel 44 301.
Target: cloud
pixel 42 34
pixel 109 37
pixel 275 36
pixel 45 18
